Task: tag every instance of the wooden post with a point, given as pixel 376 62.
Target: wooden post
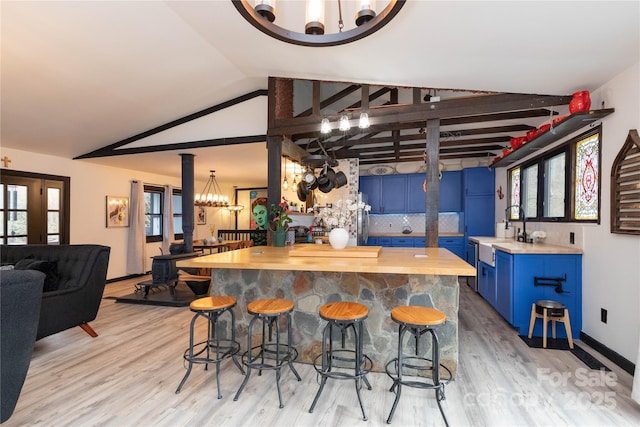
pixel 433 183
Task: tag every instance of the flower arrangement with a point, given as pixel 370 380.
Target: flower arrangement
pixel 212 228
pixel 279 218
pixel 341 214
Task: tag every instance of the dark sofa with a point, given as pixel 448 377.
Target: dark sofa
pixel 20 298
pixel 76 276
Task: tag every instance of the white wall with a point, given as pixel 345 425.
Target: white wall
pixel 611 262
pixel 90 184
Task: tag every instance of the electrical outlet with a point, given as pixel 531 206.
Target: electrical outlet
pixel 572 239
pixel 603 315
pixel 389 225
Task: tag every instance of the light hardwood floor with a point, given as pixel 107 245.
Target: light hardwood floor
pixel 128 375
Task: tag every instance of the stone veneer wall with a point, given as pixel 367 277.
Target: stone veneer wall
pixel 380 292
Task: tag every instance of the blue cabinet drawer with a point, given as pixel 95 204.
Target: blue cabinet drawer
pixel 419 242
pixel 373 241
pixel 402 242
pixel 384 241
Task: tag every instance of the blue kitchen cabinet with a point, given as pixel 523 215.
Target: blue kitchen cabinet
pixel 373 241
pixel 416 197
pixel 479 201
pixel 402 242
pixel 450 198
pixel 371 186
pixel 419 242
pixel 504 285
pixel 522 279
pixel 487 282
pixel 385 241
pixel 387 194
pixel 478 181
pixel 454 243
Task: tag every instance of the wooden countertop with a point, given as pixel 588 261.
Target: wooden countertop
pixel 514 247
pixel 414 234
pixel 432 261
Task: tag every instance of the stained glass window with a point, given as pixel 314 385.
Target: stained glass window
pixel 514 193
pixel 587 178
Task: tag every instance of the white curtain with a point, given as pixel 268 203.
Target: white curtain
pixel 136 245
pixel 167 228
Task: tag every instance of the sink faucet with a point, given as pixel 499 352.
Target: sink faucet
pixel 521 214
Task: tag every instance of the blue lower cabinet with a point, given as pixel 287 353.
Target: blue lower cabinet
pixel 523 279
pixel 373 241
pixel 487 282
pixel 402 242
pixel 419 242
pixel 454 244
pixel 384 241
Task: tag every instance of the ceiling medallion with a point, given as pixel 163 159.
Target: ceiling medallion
pixel 262 17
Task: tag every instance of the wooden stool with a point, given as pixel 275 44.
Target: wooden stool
pixel 417 321
pixel 215 347
pixel 343 315
pixel 276 354
pixel 550 311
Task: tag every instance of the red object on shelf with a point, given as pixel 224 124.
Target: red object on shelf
pixel 558 120
pixel 517 142
pixel 531 134
pixel 581 101
pixel 543 128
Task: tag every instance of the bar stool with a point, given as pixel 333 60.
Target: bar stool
pixel 417 321
pixel 215 347
pixel 269 355
pixel 343 315
pixel 550 311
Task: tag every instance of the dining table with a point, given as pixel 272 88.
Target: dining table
pixel 225 244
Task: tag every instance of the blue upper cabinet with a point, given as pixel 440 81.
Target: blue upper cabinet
pixel 450 199
pixel 371 186
pixel 479 201
pixel 387 194
pixel 417 198
pixel 478 181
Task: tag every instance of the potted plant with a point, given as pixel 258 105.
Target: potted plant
pixel 279 221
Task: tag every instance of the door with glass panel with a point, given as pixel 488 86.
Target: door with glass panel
pixel 34 209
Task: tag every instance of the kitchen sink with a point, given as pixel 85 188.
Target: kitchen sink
pixel 487 254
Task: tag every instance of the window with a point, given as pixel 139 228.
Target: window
pixel 153 213
pixel 560 185
pixel 176 205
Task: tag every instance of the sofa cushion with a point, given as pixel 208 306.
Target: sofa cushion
pixel 50 268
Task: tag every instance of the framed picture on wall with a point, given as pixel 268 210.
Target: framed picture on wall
pixel 201 215
pixel 117 211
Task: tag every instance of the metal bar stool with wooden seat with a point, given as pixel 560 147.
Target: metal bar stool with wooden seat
pixel 343 363
pixel 417 320
pixel 550 311
pixel 268 354
pixel 215 348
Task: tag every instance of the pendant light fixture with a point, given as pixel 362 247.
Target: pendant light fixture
pixel 285 184
pixel 364 121
pixel 344 125
pixel 262 14
pixel 211 195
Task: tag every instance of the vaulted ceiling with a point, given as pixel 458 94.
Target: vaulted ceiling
pixel 80 76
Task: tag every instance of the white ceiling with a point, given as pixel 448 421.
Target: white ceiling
pixel 81 75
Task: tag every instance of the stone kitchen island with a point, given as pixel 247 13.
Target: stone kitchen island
pixel 397 276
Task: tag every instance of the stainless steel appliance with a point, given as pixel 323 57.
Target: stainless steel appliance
pixel 473 256
pixel 362 222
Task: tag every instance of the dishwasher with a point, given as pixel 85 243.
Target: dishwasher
pixel 472 258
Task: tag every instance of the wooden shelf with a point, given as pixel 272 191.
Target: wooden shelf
pixel 566 127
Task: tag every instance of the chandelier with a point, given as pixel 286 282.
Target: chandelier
pixel 211 196
pixel 264 16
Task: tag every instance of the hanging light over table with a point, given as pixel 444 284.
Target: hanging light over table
pixel 211 195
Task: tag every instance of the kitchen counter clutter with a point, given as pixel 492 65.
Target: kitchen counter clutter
pixel 513 275
pixel 398 276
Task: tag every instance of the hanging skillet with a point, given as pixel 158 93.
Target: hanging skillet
pixel 302 192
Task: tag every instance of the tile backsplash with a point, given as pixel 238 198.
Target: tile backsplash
pixel 447 223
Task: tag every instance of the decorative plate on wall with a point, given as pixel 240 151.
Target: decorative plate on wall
pixel 380 170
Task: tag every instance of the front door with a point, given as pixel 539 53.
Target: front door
pixel 34 208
